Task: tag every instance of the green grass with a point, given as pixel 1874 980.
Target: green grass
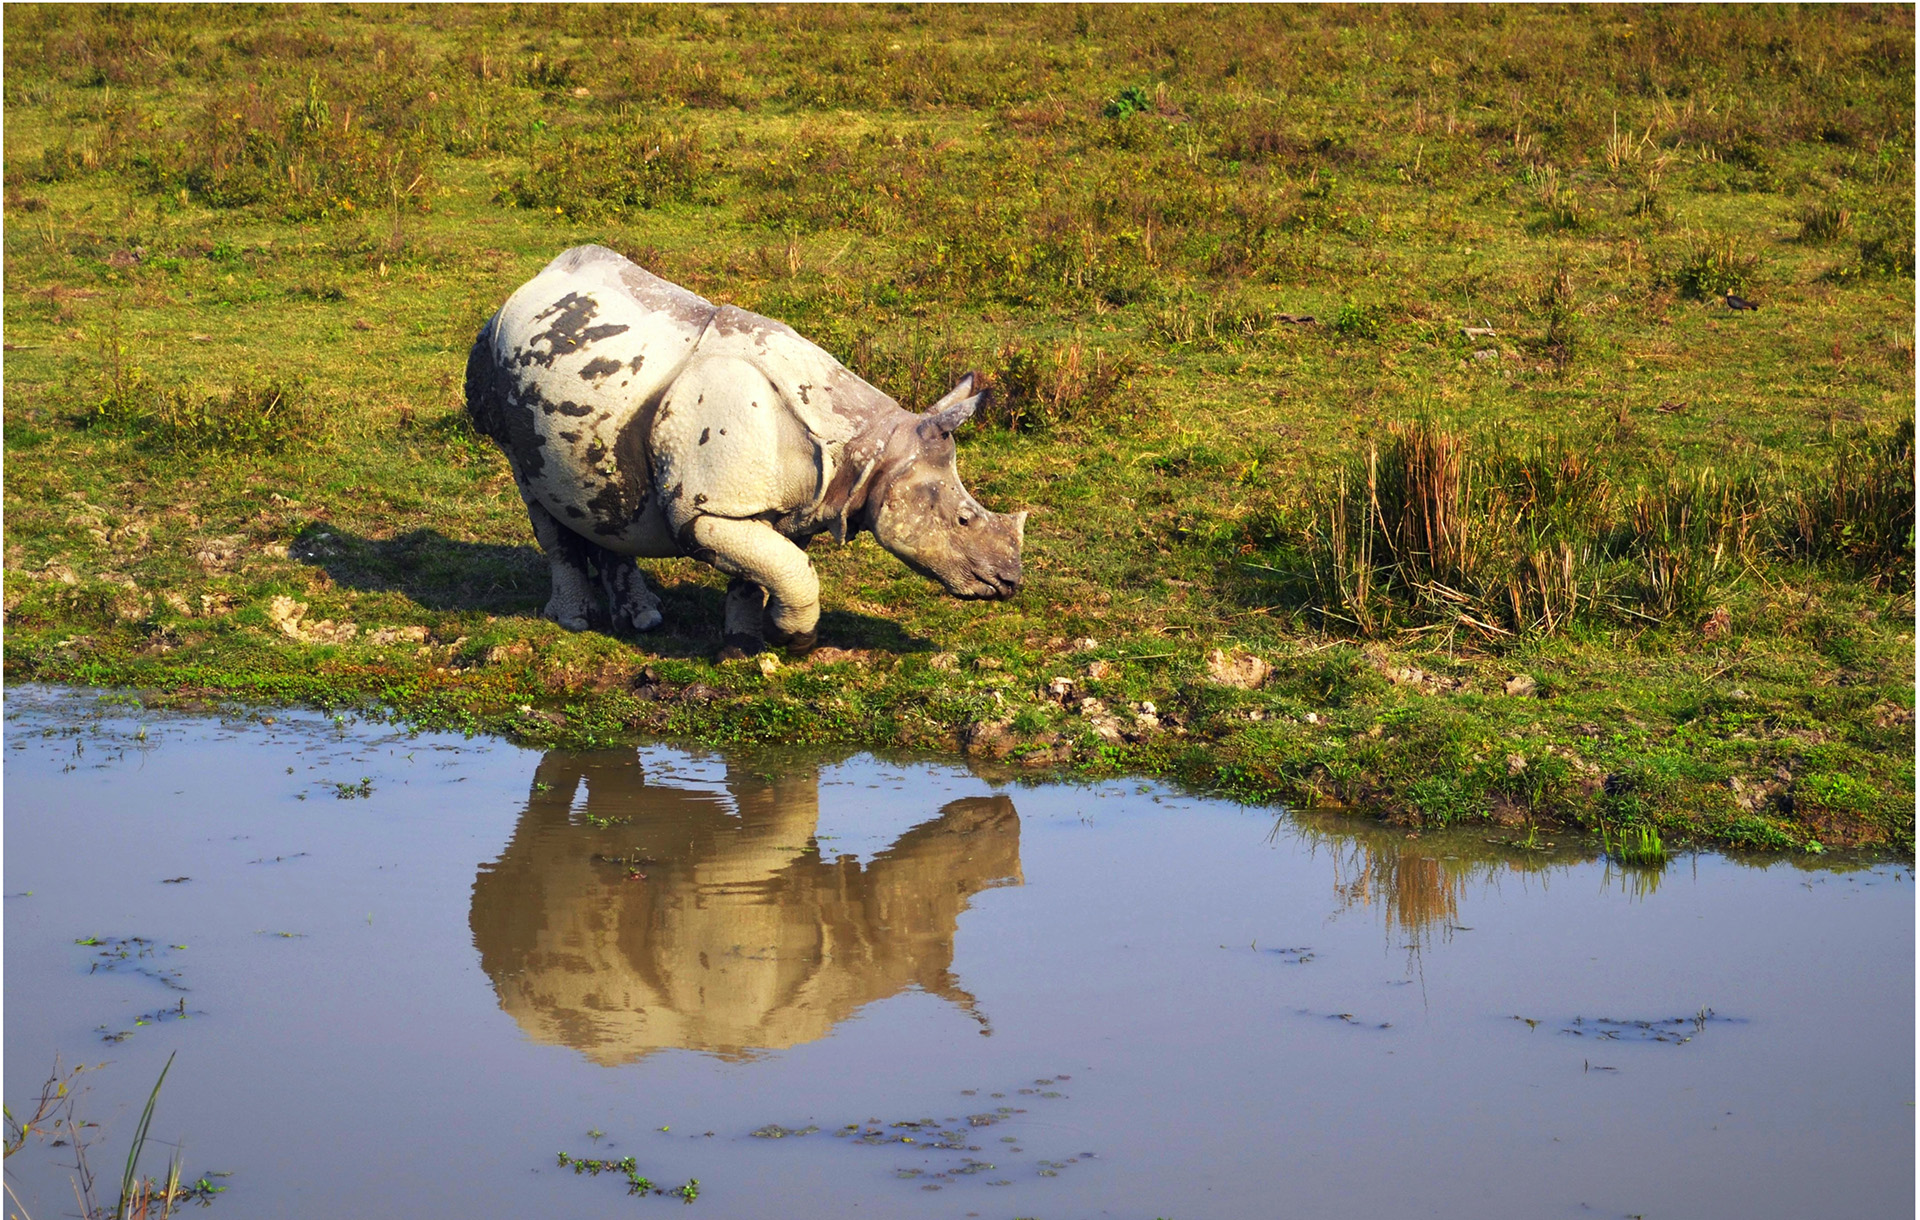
pixel 1637 845
pixel 54 1116
pixel 248 250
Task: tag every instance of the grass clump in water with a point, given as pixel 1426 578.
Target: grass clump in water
pixel 141 1198
pixel 1638 845
pixel 637 1182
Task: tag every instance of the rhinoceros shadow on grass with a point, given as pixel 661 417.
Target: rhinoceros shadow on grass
pixel 448 575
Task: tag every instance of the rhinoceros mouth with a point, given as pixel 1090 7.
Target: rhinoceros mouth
pixel 989 586
pixel 969 584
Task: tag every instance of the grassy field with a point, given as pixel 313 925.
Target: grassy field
pixel 1386 352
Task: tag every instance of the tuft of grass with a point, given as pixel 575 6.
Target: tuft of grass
pixel 1040 386
pixel 258 415
pixel 1561 206
pixel 1684 534
pixel 610 173
pixel 1213 324
pixel 1559 342
pixel 1711 264
pixel 1824 222
pixel 1423 532
pixel 1638 845
pixel 1356 321
pixel 1134 99
pixel 1431 530
pixel 1858 512
pixel 135 1194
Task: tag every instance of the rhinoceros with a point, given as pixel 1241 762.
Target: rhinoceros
pixel 643 420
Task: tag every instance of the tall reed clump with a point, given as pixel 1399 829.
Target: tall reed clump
pixel 1423 532
pixel 1858 512
pixel 1682 536
pixel 1824 221
pixel 1426 531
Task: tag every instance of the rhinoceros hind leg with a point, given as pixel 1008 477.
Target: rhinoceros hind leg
pixel 574 604
pixel 634 606
pixel 745 603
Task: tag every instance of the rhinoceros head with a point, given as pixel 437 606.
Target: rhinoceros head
pixel 919 511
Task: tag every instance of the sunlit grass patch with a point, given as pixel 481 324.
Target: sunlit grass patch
pixel 1431 529
pixel 1706 264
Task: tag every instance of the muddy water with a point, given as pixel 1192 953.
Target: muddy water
pixel 403 973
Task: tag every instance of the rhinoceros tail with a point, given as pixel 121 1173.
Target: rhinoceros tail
pixel 486 397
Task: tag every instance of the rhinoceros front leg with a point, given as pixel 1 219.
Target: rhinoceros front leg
pixel 572 604
pixel 759 556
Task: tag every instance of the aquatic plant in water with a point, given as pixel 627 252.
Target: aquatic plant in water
pixel 1638 845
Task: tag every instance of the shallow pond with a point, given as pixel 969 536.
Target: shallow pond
pixel 402 974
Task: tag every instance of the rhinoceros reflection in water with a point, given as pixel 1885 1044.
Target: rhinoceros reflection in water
pixel 740 936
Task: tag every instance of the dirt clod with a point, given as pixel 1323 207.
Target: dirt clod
pixel 1242 670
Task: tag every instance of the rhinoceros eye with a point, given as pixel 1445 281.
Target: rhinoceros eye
pixel 966 518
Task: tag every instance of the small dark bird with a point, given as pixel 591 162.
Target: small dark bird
pixel 1734 302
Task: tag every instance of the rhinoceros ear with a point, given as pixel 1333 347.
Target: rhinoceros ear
pixel 952 410
pixel 961 389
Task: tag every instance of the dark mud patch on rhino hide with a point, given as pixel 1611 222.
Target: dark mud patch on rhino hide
pixel 569 331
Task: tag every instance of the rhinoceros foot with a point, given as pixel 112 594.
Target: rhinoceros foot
pixel 632 604
pixel 737 645
pixel 797 643
pixel 643 620
pixel 572 604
